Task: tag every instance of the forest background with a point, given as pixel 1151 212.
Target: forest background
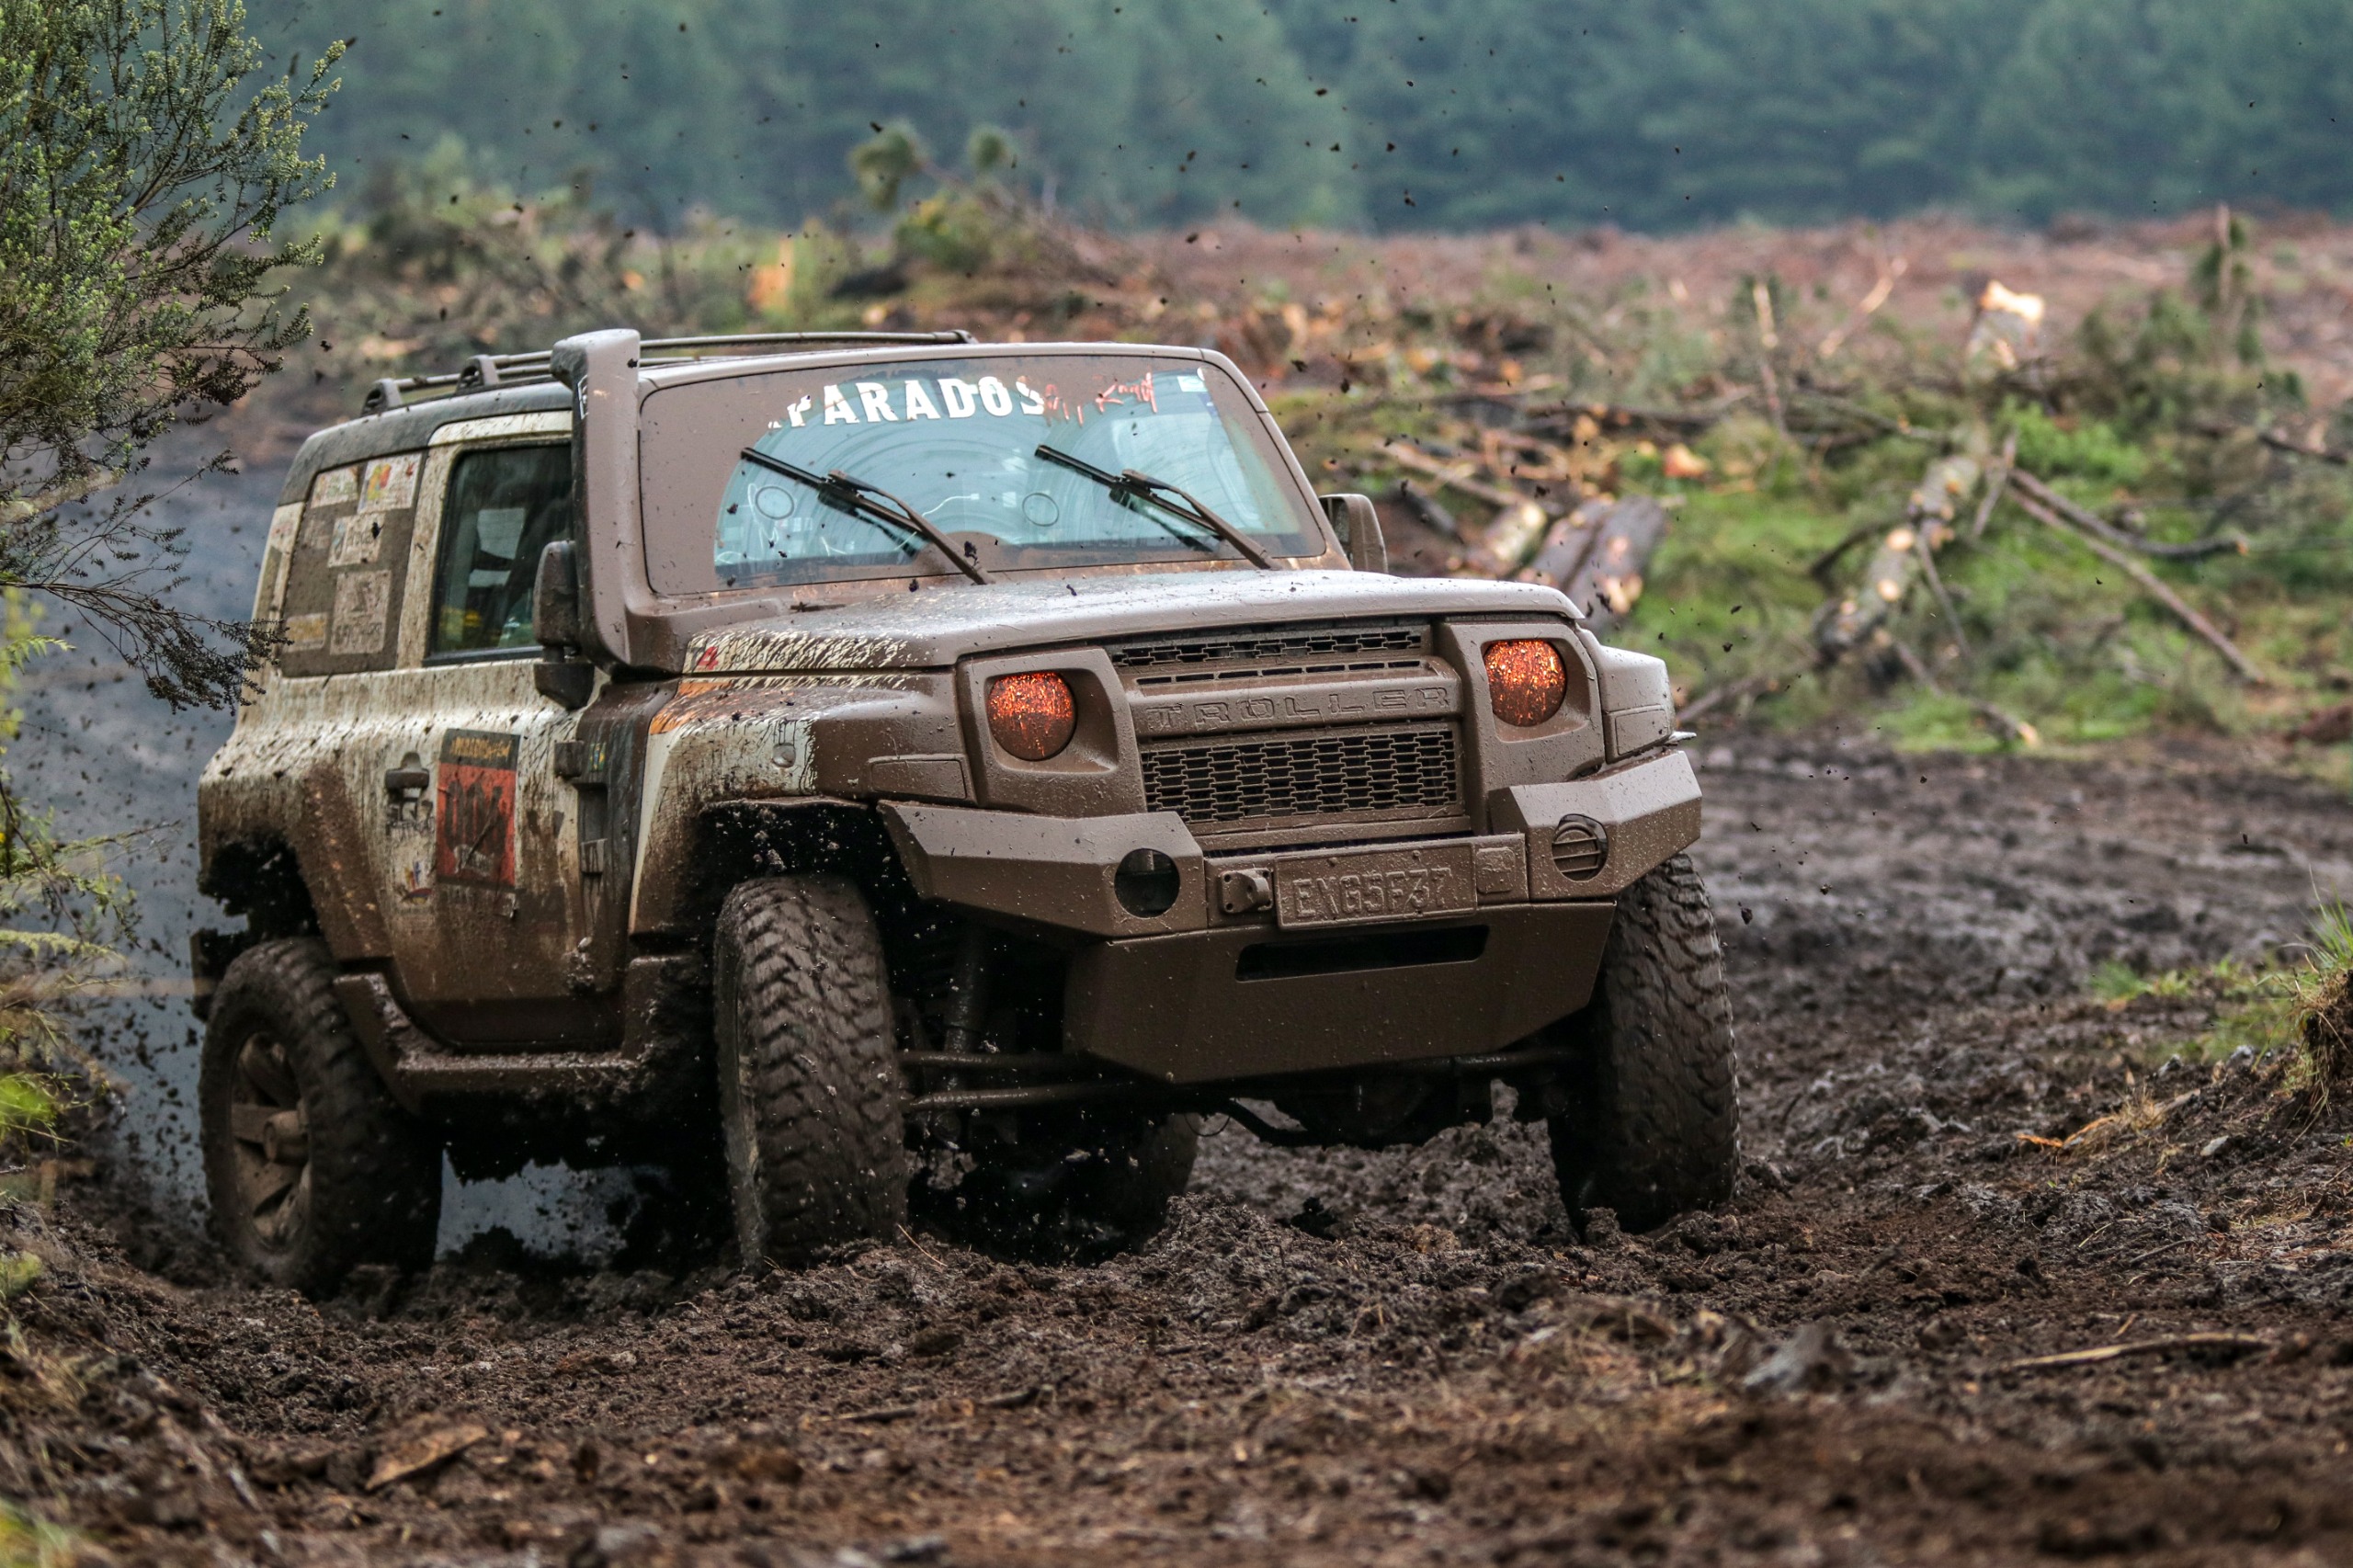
pixel 1392 114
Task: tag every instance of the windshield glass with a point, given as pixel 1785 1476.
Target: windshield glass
pixel 957 439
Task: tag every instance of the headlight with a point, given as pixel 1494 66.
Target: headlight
pixel 1032 716
pixel 1526 681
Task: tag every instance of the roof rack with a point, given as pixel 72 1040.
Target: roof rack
pixel 486 370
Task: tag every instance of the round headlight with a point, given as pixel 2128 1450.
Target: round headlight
pixel 1032 716
pixel 1527 682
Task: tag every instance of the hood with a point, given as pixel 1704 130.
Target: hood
pixel 934 629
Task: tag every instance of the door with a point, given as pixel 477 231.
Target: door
pixel 482 876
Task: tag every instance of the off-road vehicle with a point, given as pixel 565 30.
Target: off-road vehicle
pixel 928 775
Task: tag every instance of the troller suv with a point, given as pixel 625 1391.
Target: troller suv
pixel 919 779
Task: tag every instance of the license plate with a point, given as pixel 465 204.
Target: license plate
pixel 1361 886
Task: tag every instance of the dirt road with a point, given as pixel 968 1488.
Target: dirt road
pixel 1409 1358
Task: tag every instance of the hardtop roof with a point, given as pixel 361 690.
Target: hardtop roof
pixel 408 429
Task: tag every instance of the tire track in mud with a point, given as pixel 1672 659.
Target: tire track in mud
pixel 1429 1365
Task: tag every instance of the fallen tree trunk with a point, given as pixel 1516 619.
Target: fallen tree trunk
pixel 1461 476
pixel 1430 512
pixel 1844 624
pixel 2092 523
pixel 2147 579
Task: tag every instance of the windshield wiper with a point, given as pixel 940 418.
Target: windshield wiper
pixel 857 497
pixel 1156 490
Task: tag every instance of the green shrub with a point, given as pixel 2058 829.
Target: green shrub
pixel 2080 448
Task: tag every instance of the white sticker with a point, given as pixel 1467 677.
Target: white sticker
pixel 335 486
pixel 919 404
pixel 391 483
pixel 306 633
pixel 282 524
pixel 958 393
pixel 362 602
pixel 837 408
pixel 995 398
pixel 359 538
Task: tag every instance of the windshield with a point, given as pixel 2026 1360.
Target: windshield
pixel 957 439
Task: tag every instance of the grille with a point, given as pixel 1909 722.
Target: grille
pixel 1324 773
pixel 1580 848
pixel 1265 642
pixel 1182 676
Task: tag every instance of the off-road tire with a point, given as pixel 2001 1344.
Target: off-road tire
pixel 370 1191
pixel 1652 1124
pixel 810 1102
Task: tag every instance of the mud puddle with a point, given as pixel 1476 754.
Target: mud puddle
pixel 1409 1357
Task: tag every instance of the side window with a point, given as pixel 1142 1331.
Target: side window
pixel 504 507
pixel 342 604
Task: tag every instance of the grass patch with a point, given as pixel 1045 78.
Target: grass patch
pixel 2255 1008
pixel 2324 997
pixel 27 1541
pixel 2306 1007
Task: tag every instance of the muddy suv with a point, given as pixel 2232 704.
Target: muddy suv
pixel 898 777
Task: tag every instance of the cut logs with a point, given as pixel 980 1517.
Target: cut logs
pixel 1598 555
pixel 1846 623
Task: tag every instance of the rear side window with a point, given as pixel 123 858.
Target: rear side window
pixel 342 605
pixel 505 505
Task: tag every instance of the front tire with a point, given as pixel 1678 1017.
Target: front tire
pixel 1652 1124
pixel 313 1169
pixel 811 1101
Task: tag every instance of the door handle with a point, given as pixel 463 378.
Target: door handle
pixel 407 783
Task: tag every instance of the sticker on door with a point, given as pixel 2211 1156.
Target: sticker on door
pixel 474 823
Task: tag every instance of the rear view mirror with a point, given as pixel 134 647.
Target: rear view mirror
pixel 1358 525
pixel 562 674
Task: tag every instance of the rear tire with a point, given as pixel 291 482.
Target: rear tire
pixel 1652 1124
pixel 1127 1188
pixel 312 1168
pixel 811 1100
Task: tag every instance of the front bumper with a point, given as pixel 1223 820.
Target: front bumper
pixel 1270 962
pixel 1059 874
pixel 1210 1005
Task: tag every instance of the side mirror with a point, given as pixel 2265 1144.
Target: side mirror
pixel 1358 525
pixel 562 676
pixel 555 597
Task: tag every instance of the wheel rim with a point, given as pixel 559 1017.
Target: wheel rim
pixel 270 1138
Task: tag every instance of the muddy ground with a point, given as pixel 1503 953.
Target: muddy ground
pixel 1428 1367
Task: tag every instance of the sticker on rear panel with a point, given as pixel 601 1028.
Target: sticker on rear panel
pixel 358 539
pixel 473 843
pixel 390 483
pixel 336 487
pixel 363 601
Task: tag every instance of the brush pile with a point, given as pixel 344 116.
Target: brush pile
pixel 1826 473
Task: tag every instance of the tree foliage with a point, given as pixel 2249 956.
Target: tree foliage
pixel 141 182
pixel 141 186
pixel 1132 111
pixel 1646 113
